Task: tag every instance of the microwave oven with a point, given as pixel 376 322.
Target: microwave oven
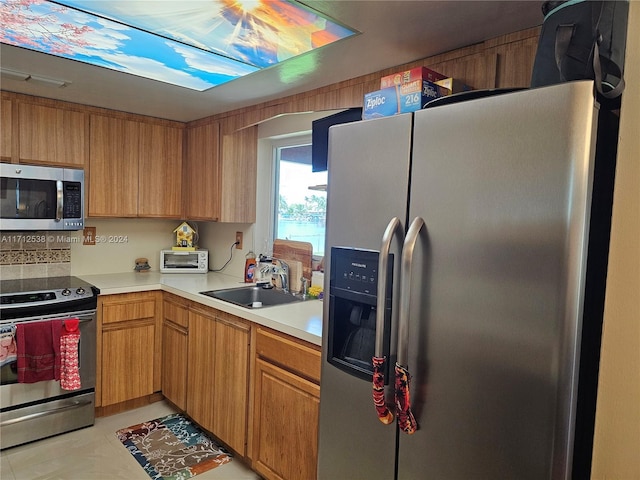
pixel 41 198
pixel 181 261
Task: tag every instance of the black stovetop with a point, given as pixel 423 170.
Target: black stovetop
pixel 45 296
pixel 31 285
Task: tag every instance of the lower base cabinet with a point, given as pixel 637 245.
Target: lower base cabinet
pixel 129 356
pixel 286 407
pixel 231 390
pixel 175 331
pixel 128 337
pixel 218 374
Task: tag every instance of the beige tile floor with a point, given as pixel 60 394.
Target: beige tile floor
pixel 96 453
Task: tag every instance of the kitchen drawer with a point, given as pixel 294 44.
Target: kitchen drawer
pixel 127 307
pixel 177 313
pixel 293 355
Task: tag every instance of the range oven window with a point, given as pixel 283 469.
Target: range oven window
pixel 9 373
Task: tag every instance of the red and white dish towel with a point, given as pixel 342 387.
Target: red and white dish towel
pixel 48 350
pixel 69 365
pixel 38 351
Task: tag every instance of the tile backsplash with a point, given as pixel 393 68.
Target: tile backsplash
pixel 35 254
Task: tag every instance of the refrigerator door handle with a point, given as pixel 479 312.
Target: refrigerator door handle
pixel 379 360
pixel 406 421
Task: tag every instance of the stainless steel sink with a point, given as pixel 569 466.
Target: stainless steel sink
pixel 253 296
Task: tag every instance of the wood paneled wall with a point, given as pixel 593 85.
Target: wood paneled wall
pixel 505 61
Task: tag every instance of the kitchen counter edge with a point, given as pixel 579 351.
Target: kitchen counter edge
pixel 302 320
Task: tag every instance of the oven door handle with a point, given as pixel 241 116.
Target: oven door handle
pixel 84 317
pixel 31 416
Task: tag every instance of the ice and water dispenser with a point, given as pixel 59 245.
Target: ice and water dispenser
pixel 353 288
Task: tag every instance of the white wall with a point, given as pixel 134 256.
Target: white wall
pixel 122 241
pixel 128 239
pixel 218 239
pixel 616 452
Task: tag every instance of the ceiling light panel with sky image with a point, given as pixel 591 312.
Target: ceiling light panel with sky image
pixel 197 44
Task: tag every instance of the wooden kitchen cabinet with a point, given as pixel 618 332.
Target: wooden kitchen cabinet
pixel 221 176
pixel 52 136
pixel 129 339
pixel 218 374
pixel 175 348
pixel 135 168
pixel 202 177
pixel 127 363
pixel 238 176
pixel 6 132
pixel 231 378
pixel 160 171
pixel 200 362
pixel 286 402
pixel 113 167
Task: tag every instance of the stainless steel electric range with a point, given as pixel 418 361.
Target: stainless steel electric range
pixel 32 411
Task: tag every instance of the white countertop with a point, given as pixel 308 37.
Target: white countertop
pixel 302 320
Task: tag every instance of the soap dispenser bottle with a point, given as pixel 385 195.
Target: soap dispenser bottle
pixel 249 267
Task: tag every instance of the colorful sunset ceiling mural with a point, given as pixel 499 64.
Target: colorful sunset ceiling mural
pixel 197 44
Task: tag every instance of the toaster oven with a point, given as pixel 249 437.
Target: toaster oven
pixel 179 261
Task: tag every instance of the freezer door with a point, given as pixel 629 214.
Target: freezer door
pixel 367 187
pixel 503 185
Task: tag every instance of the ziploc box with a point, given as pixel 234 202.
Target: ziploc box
pixel 393 100
pixel 414 76
pixel 381 103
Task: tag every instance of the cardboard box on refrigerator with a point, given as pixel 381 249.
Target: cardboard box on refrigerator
pixel 453 85
pixel 400 99
pixel 413 75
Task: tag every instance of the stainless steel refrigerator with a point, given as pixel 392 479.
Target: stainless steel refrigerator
pixel 463 243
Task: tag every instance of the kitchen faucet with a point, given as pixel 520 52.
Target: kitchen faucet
pixel 281 269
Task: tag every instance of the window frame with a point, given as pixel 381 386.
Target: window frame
pixel 265 227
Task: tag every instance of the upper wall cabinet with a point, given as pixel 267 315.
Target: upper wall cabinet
pixel 135 169
pixel 113 167
pixel 6 115
pixel 238 176
pixel 52 136
pixel 202 177
pixel 160 171
pixel 221 176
